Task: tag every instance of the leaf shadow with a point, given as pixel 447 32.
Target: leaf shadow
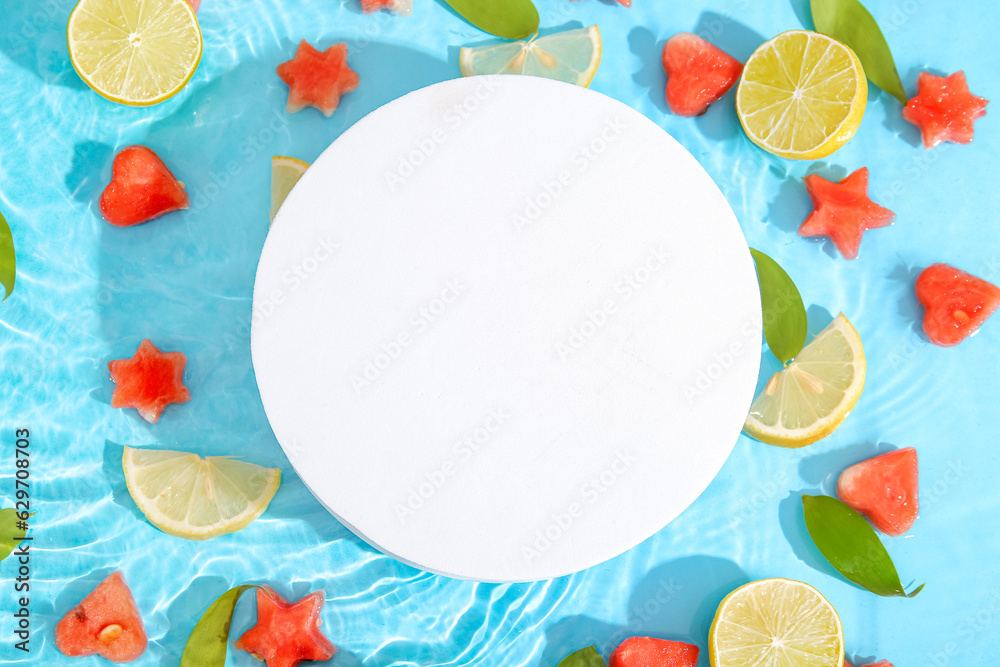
pixel 803 13
pixel 793 525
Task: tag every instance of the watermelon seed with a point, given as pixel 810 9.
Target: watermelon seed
pixel 812 384
pixel 109 633
pixel 772 385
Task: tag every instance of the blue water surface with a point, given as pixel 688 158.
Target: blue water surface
pixel 88 292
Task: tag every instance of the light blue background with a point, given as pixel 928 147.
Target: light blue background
pixel 88 293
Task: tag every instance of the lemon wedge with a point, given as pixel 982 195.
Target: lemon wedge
pixel 134 52
pixel 777 623
pixel 285 173
pixel 808 399
pixel 802 95
pixel 572 56
pixel 197 498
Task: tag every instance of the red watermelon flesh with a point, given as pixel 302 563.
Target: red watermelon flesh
pixel 880 663
pixel 955 303
pixel 403 7
pixel 884 489
pixel 149 381
pixel 141 188
pixel 195 4
pixel 944 109
pixel 287 633
pixel 698 73
pixel 317 78
pixel 651 652
pixel 106 622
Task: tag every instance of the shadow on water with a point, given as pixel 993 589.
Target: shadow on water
pixel 803 13
pixel 824 469
pixel 793 525
pixel 648 50
pixel 909 308
pixel 676 600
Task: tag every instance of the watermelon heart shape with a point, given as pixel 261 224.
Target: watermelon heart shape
pixel 955 303
pixel 884 489
pixel 698 73
pixel 106 622
pixel 141 188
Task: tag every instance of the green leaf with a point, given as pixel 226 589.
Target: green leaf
pixel 849 22
pixel 10 535
pixel 7 258
pixel 849 542
pixel 784 315
pixel 512 19
pixel 585 657
pixel 206 647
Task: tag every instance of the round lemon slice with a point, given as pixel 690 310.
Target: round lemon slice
pixel 572 56
pixel 134 52
pixel 802 95
pixel 197 498
pixel 777 623
pixel 285 173
pixel 811 397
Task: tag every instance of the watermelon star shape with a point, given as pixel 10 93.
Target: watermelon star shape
pixel 843 212
pixel 317 78
pixel 286 633
pixel 149 381
pixel 944 109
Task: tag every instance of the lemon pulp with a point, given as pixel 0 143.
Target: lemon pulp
pixel 134 52
pixel 572 56
pixel 802 95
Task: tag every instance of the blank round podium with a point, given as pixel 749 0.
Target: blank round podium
pixel 506 328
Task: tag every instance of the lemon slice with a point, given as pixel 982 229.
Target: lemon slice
pixel 811 397
pixel 802 95
pixel 285 173
pixel 197 498
pixel 134 52
pixel 571 56
pixel 776 623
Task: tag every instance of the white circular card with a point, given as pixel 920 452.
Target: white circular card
pixel 506 328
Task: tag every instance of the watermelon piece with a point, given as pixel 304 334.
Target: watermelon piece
pixel 317 78
pixel 141 188
pixel 287 633
pixel 944 109
pixel 880 663
pixel 149 381
pixel 955 303
pixel 698 73
pixel 402 7
pixel 843 212
pixel 106 622
pixel 651 652
pixel 195 4
pixel 884 489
